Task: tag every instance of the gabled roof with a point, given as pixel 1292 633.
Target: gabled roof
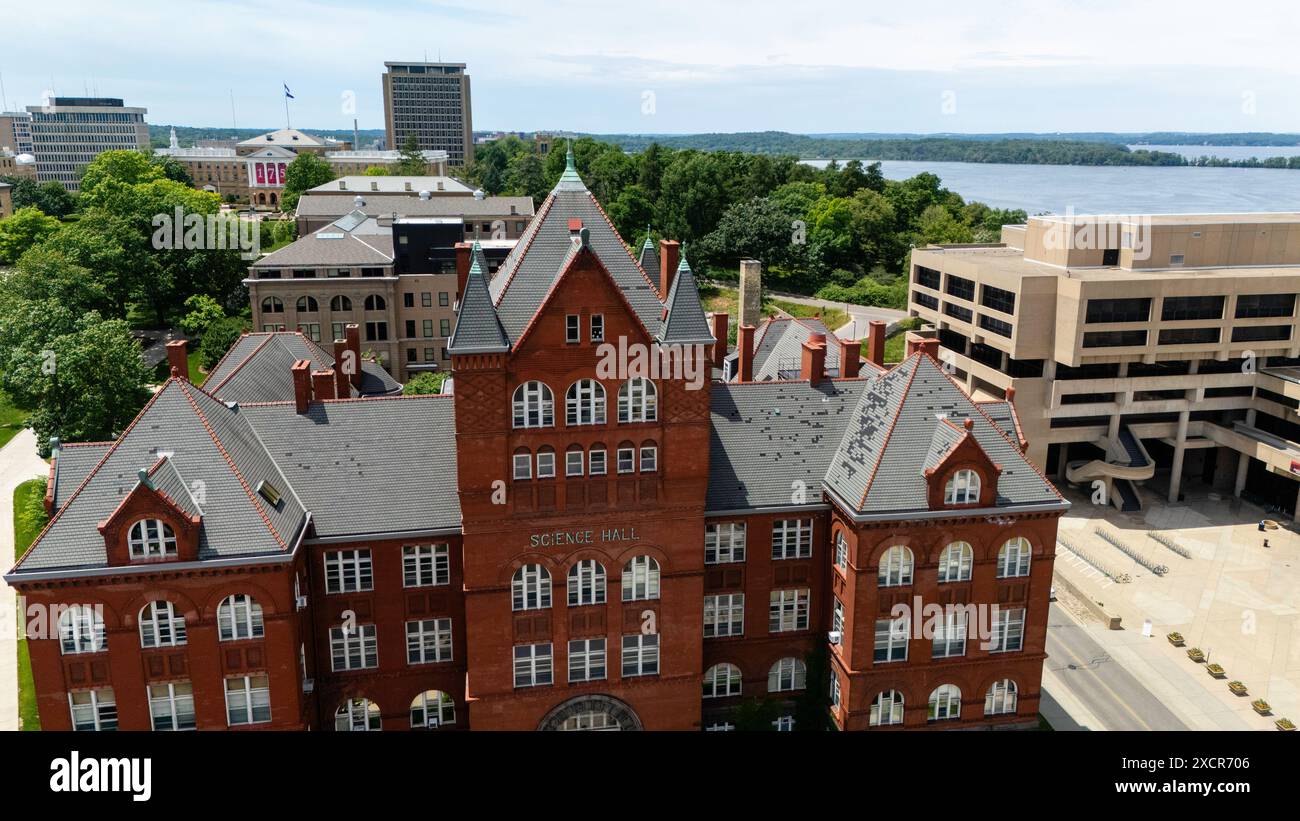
pixel 684 322
pixel 649 258
pixel 478 330
pixel 166 479
pixel 257 369
pixel 778 347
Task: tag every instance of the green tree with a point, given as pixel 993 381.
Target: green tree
pixel 306 171
pixel 218 338
pixel 631 211
pixel 27 227
pixel 115 252
pixel 526 176
pixel 204 311
pixel 938 225
pixel 45 275
pixel 173 170
pixel 757 229
pixel 425 383
pixel 111 171
pixel 411 162
pixel 377 171
pixel 55 200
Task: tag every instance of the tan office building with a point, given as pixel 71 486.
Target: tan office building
pixel 430 101
pixel 71 131
pixel 1149 350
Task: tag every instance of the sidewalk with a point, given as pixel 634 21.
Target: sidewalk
pixel 18 463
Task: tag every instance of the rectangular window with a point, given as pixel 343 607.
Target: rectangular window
pixel 408 300
pixel 1114 339
pixel 532 665
pixel 571 328
pixel 426 299
pixel 94 710
pixel 1179 308
pixel 586 660
pixel 430 354
pixel 997 326
pixel 837 617
pixel 1261 333
pixel 336 328
pixel 597 327
pixel 427 327
pixel 640 655
pixel 546 465
pixel 523 466
pixel 171 706
pixel 724 615
pixel 353 648
pixel 961 288
pixel 1176 259
pixel 626 460
pixel 958 312
pixel 787 610
pixel 649 459
pixel 1136 309
pixel 573 463
pixel 248 700
pixel 950 636
pixel 891 640
pixel 596 463
pixel 376 331
pixel 443 299
pixel 311 330
pixel 724 542
pixel 1008 630
pixel 424 565
pixel 999 299
pixel 927 277
pixel 348 571
pixel 444 327
pixel 792 538
pixel 925 300
pixel 410 329
pixel 1188 336
pixel 428 641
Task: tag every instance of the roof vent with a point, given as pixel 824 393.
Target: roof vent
pixel 441 186
pixel 407 185
pixel 424 195
pixel 374 186
pixel 268 492
pixel 359 201
pixel 478 194
pixel 343 185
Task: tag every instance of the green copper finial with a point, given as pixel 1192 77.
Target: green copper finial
pixel 681 264
pixel 570 180
pixel 568 158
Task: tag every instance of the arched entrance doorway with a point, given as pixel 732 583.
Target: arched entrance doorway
pixel 594 712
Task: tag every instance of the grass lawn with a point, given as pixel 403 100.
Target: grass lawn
pixel 11 419
pixel 895 342
pixel 724 299
pixel 29 518
pixel 832 318
pixel 196 376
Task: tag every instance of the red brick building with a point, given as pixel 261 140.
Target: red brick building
pixel 585 534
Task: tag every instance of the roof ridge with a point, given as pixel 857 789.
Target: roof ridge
pixel 884 443
pixel 654 287
pixel 521 248
pixel 242 363
pixel 570 258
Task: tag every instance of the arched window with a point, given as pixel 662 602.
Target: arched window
pixel 534 405
pixel 955 562
pixel 1013 558
pixel 963 488
pixel 151 539
pixel 308 304
pixel 357 715
pixel 887 709
pixel 896 567
pixel 586 583
pixel 161 625
pixel 239 617
pixel 722 680
pixel 945 703
pixel 340 303
pixel 272 305
pixel 638 401
pixel 585 403
pixel 531 588
pixel 787 674
pixel 841 550
pixel 81 630
pixel 1001 698
pixel 641 579
pixel 375 302
pixel 432 709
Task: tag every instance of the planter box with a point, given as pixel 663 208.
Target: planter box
pixel 1196 656
pixel 1216 671
pixel 1239 691
pixel 1261 710
pixel 1284 727
pixel 1176 640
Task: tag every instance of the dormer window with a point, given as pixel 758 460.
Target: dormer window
pixel 152 539
pixel 963 488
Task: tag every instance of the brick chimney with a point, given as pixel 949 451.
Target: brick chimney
pixel 876 342
pixel 813 365
pixel 353 333
pixel 745 344
pixel 927 345
pixel 719 339
pixel 670 255
pixel 322 384
pixel 342 387
pixel 301 371
pixel 464 256
pixel 1011 394
pixel 178 359
pixel 850 357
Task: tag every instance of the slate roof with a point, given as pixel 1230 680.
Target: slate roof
pixel 73 464
pixel 684 321
pixel 257 369
pixel 166 478
pixel 341 458
pixel 778 347
pixel 649 258
pixel 478 330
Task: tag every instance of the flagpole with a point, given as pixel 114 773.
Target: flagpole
pixel 286 111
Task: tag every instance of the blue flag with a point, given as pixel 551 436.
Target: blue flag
pixel 286 91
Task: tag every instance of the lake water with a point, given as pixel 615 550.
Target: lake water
pixel 1053 189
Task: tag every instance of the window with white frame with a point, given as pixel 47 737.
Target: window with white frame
pixel 530 589
pixel 532 665
pixel 724 615
pixel 586 660
pixel 783 724
pixel 787 674
pixel 896 567
pixel 248 699
pixel 887 709
pixel 638 401
pixel 151 539
pixel 955 562
pixel 626 459
pixel 724 542
pixel 835 692
pixel 841 551
pixel 171 706
pixel 1008 630
pixel 720 727
pixel 161 625
pixel 1001 698
pixel 572 328
pixel 573 462
pixel 950 635
pixel 792 538
pixel 586 583
pixel 348 571
pixel 354 647
pixel 837 617
pixel 640 579
pixel 81 630
pixel 1013 558
pixel 649 458
pixel 597 327
pixel 963 488
pixel 640 655
pixel 432 709
pixel 596 462
pixel 584 404
pixel 788 610
pixel 590 721
pixel 428 641
pixel 523 466
pixel 721 681
pixel 945 703
pixel 358 715
pixel 94 710
pixel 545 464
pixel 239 617
pixel 891 640
pixel 533 405
pixel 425 565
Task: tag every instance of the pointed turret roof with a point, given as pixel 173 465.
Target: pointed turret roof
pixel 478 329
pixel 649 259
pixel 684 321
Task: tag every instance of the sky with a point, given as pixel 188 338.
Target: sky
pixel 680 66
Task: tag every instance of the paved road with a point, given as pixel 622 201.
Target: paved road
pixel 1113 695
pixel 859 315
pixel 18 463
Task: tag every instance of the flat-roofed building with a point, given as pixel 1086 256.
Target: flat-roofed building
pixel 16 131
pixel 69 132
pixel 484 217
pixel 6 200
pixel 431 102
pixel 1140 349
